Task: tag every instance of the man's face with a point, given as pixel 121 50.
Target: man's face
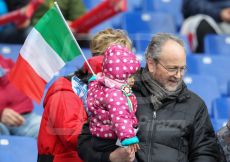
pixel 169 69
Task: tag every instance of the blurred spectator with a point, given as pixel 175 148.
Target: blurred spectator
pixel 71 9
pixel 3 9
pixel 15 4
pixel 224 138
pixel 11 33
pixel 204 17
pixel 16 117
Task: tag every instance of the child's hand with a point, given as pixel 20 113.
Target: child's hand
pixel 134 147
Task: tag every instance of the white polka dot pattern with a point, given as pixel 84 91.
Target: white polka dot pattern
pixel 117 59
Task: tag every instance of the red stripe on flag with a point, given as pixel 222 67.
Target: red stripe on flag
pixel 27 80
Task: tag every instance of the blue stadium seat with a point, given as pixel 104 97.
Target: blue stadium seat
pixel 89 4
pixel 18 149
pixel 216 66
pixel 141 42
pixel 228 88
pixel 10 50
pixel 221 108
pixel 141 58
pixel 205 86
pixel 116 21
pixel 217 44
pixel 134 5
pixel 192 64
pixel 218 123
pixel 104 25
pixel 149 23
pixel 172 7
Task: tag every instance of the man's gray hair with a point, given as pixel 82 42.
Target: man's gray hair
pixel 154 48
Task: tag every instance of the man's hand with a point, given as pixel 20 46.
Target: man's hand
pixel 11 118
pixel 225 15
pixel 122 155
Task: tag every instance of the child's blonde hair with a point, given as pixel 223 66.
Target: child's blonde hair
pixel 106 37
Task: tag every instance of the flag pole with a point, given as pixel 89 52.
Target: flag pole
pixel 56 5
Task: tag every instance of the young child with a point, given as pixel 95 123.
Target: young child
pixel 112 103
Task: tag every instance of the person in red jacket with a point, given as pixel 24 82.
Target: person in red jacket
pixel 65 109
pixel 16 117
pixel 63 118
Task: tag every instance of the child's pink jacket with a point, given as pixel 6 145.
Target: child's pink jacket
pixel 112 117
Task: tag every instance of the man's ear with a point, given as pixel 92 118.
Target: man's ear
pixel 149 60
pixel 151 64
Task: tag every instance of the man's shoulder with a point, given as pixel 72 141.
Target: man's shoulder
pixel 195 97
pixel 195 100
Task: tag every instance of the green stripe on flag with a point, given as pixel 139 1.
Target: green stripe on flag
pixel 55 33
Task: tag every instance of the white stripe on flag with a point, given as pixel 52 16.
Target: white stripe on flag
pixel 41 57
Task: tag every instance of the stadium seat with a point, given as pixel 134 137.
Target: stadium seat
pixel 205 86
pixel 104 25
pixel 18 149
pixel 89 4
pixel 228 88
pixel 217 44
pixel 192 64
pixel 216 66
pixel 10 50
pixel 141 58
pixel 141 41
pixel 218 123
pixel 172 7
pixel 221 108
pixel 149 23
pixel 134 5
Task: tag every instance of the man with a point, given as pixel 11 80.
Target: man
pixel 16 117
pixel 174 125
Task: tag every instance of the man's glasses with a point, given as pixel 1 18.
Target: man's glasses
pixel 174 70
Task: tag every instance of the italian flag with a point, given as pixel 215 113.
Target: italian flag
pixel 47 48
